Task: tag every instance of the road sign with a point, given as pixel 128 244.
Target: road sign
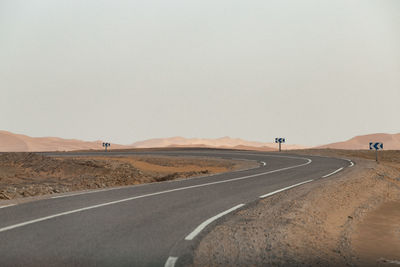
pixel 280 140
pixel 105 145
pixel 375 145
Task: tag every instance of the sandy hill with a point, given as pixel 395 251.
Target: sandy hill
pixel 390 142
pixel 223 142
pixel 10 142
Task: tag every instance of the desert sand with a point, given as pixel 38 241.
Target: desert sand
pixel 30 174
pixel 390 142
pixel 223 142
pixel 11 142
pixel 350 219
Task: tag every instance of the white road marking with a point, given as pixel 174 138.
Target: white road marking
pixel 263 163
pixel 170 181
pixel 179 180
pixel 5 206
pixel 207 222
pixel 283 189
pixel 332 173
pixel 390 261
pixel 82 193
pixel 147 195
pixel 349 160
pixel 171 262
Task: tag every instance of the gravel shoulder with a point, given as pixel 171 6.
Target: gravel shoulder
pixel 27 175
pixel 325 223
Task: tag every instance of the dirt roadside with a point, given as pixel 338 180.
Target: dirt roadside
pixel 350 219
pixel 25 175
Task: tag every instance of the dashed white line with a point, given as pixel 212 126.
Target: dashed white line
pixel 332 173
pixel 283 189
pixel 171 262
pixel 5 206
pixel 207 222
pixel 146 195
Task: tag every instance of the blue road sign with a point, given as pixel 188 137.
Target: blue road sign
pixel 280 140
pixel 375 145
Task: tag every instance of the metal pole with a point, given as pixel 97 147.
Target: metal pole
pixel 376 155
pixel 279 146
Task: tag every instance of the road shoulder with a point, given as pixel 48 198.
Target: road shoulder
pixel 314 224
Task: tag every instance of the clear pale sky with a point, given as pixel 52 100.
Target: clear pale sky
pixel 311 71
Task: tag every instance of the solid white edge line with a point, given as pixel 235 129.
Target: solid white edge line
pixel 5 206
pixel 208 221
pixel 283 189
pixel 170 262
pixel 332 173
pixel 147 195
pixel 82 193
pixel 177 180
pixel 350 161
pixel 124 187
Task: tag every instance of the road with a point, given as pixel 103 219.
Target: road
pixel 146 225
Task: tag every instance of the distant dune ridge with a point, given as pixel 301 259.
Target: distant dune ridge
pixel 390 142
pixel 223 142
pixel 11 142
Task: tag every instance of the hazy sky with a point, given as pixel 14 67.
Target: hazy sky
pixel 311 71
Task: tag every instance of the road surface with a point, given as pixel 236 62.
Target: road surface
pixel 146 225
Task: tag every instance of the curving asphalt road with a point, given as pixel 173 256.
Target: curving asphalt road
pixel 147 225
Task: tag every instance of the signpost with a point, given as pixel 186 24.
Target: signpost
pixel 377 146
pixel 105 145
pixel 280 140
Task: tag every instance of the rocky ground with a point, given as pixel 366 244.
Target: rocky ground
pixel 350 219
pixel 30 174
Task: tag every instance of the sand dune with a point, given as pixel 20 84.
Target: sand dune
pixel 390 142
pixel 181 141
pixel 223 142
pixel 10 142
